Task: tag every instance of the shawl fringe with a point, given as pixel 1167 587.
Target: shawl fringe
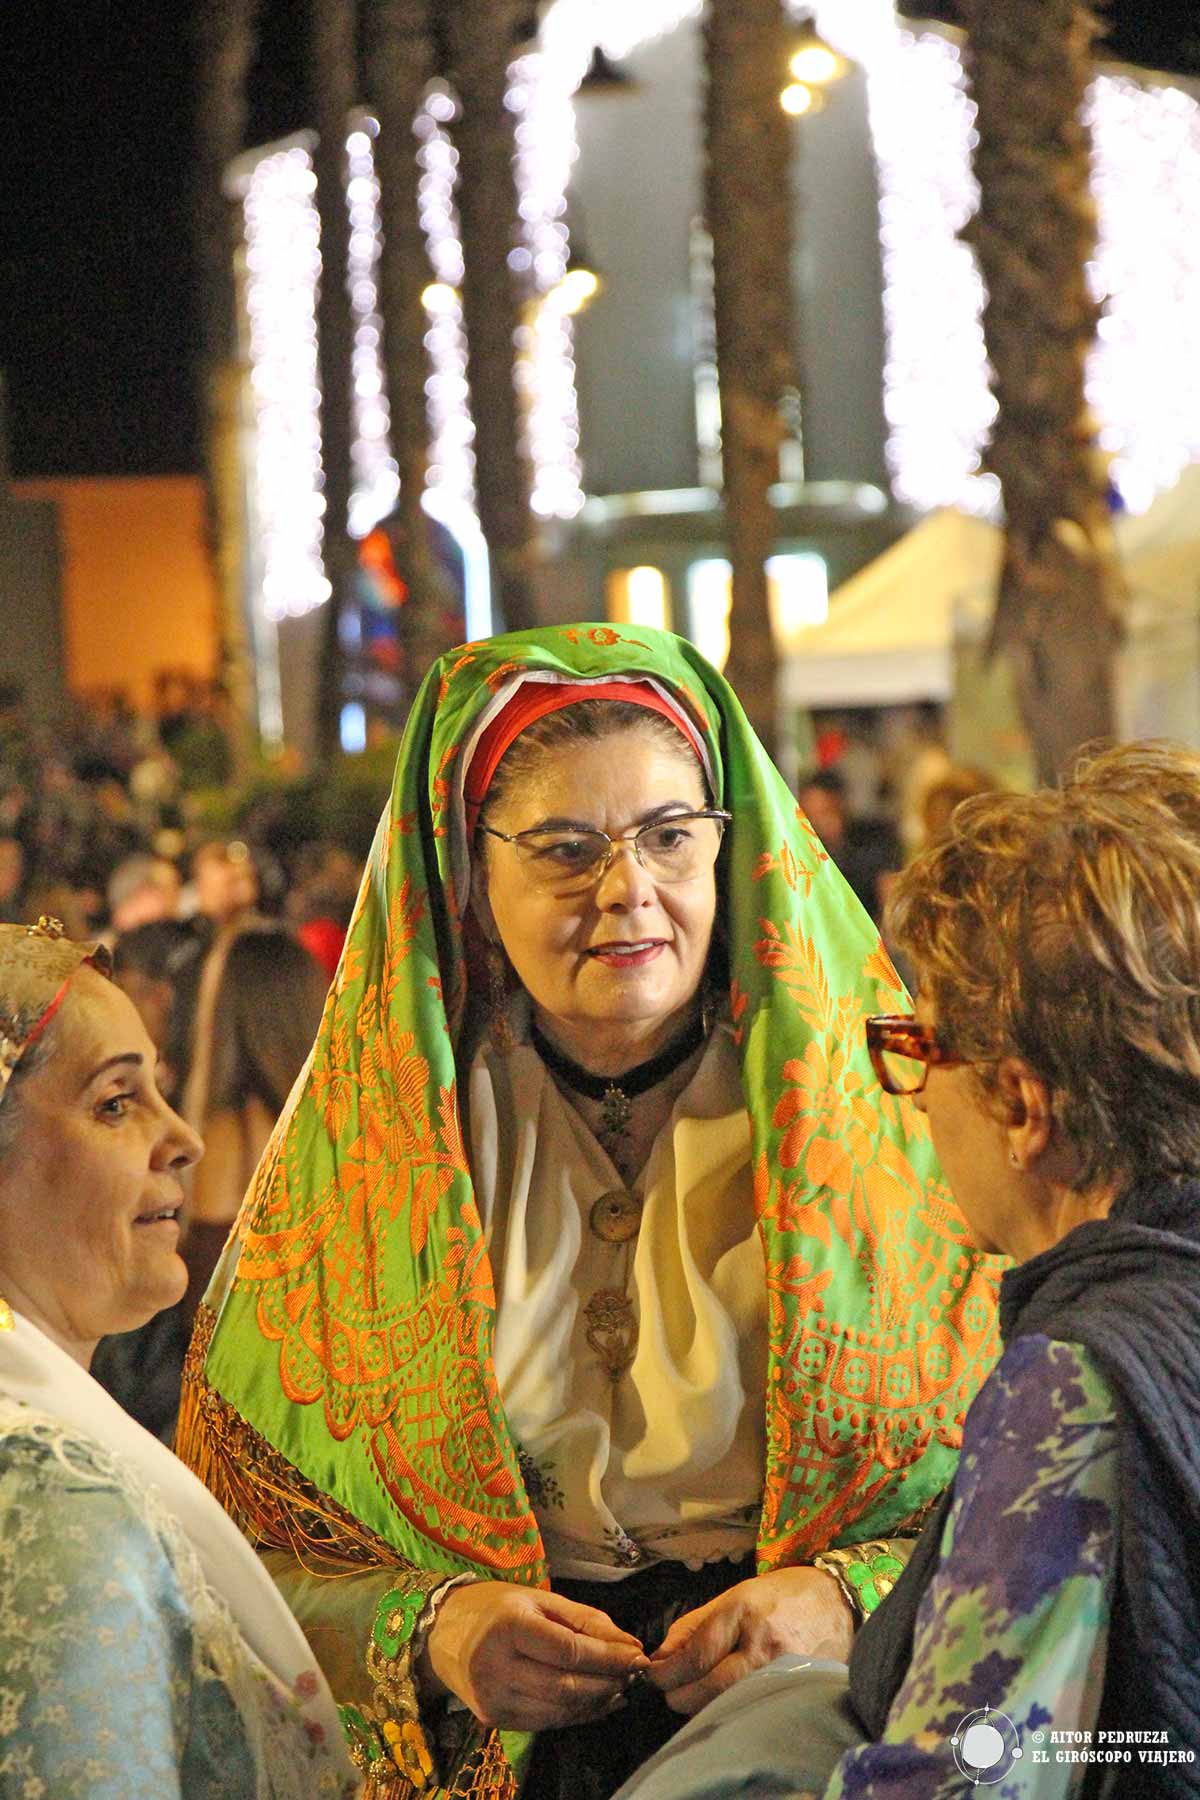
pixel 275 1505
pixel 486 1775
pixel 265 1495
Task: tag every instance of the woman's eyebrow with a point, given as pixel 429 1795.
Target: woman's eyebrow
pixel 667 807
pixel 559 823
pixel 132 1058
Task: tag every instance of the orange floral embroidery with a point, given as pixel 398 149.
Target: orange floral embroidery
pixel 880 969
pixel 826 1119
pixel 495 681
pixel 404 917
pixel 739 1000
pixel 457 666
pixel 793 1207
pixel 787 865
pixel 333 1081
pixel 440 793
pixel 350 968
pixel 815 845
pixel 795 961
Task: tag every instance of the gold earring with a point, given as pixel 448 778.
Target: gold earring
pixel 499 1029
pixel 7 1322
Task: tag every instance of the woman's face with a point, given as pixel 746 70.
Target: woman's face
pixel 90 1192
pixel 615 969
pixel 972 1147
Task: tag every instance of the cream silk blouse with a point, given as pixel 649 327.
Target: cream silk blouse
pixel 666 1460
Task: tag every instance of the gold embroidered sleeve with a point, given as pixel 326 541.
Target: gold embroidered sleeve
pixel 367 1629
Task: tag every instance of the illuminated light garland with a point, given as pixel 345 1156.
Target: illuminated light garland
pixel 376 473
pixel 282 233
pixel 937 403
pixel 1146 178
pixel 451 471
pixel 283 255
pixel 1143 384
pixel 539 95
pixel 541 90
pixel 283 262
pixel 939 410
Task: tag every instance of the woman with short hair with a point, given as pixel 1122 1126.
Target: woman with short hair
pixel 589 1290
pixel 1044 1634
pixel 144 1653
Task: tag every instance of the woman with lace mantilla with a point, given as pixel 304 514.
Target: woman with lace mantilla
pixel 144 1653
pixel 591 1289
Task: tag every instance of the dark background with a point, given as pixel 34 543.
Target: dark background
pixel 96 323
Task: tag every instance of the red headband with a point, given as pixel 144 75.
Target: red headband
pixel 532 700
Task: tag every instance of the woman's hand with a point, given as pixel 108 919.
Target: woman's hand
pixel 526 1659
pixel 801 1611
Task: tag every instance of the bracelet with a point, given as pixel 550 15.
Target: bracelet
pixel 389 1730
pixel 866 1574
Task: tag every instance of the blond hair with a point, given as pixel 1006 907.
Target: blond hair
pixel 1064 928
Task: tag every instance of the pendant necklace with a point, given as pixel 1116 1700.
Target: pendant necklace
pixel 616 1216
pixel 617 1093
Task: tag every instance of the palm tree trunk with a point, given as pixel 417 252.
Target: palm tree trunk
pixel 400 64
pixel 482 35
pixel 1058 608
pixel 332 49
pixel 224 47
pixel 748 204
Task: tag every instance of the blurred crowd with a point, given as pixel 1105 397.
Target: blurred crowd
pixel 106 821
pixel 881 788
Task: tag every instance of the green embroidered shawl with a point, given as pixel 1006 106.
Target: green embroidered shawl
pixel 356 1301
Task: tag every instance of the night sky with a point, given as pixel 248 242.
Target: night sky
pixel 96 323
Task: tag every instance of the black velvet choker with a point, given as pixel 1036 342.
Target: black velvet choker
pixel 634 1081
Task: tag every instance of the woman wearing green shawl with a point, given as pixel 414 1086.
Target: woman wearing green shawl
pixel 590 1288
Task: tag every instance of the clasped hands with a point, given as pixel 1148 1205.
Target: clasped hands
pixel 529 1660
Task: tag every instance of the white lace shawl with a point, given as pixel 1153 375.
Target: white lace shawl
pixel 243 1634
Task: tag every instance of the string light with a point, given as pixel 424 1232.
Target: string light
pixel 541 90
pixel 375 471
pixel 1146 179
pixel 282 235
pixel 797 99
pixel 452 459
pixel 939 409
pixel 1143 385
pixel 816 64
pixel 283 263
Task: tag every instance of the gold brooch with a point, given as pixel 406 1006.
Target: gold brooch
pixel 612 1330
pixel 48 927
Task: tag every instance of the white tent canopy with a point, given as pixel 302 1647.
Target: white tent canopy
pixel 892 629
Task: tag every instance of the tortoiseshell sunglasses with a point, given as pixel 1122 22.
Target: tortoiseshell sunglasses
pixel 902 1050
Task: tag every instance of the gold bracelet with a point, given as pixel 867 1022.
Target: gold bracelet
pixel 866 1574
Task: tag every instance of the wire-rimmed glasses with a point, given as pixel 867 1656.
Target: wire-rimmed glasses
pixel 570 860
pixel 902 1051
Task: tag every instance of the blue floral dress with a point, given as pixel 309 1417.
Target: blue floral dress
pixel 112 1686
pixel 1015 1621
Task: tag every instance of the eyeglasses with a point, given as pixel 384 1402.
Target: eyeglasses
pixel 903 1050
pixel 678 848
